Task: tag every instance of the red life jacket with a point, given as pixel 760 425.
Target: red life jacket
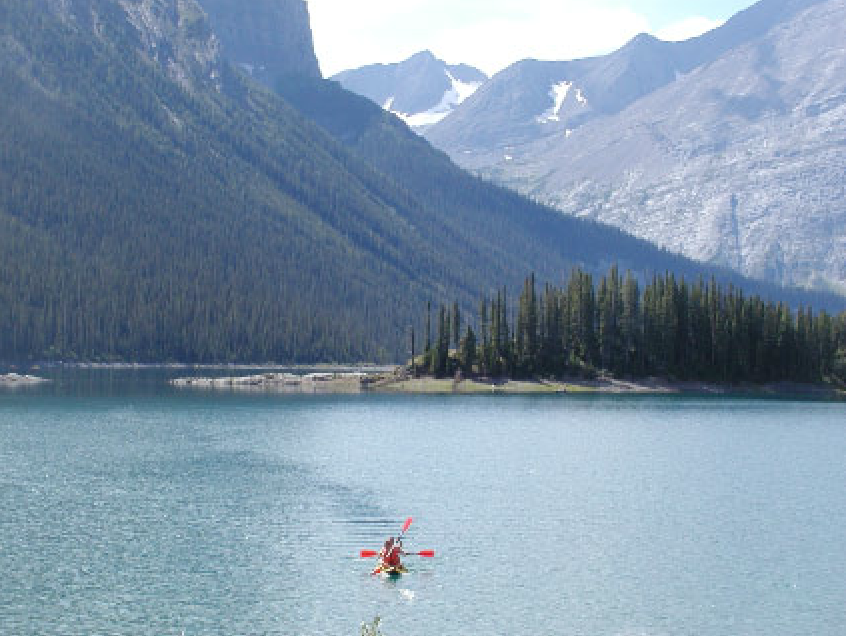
pixel 393 558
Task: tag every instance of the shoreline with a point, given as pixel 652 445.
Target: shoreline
pixel 610 386
pixel 327 382
pixel 397 382
pixel 212 366
pixel 16 380
pixel 330 378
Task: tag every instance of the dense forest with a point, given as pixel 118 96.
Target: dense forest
pixel 668 328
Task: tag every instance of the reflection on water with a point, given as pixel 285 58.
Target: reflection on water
pixel 133 508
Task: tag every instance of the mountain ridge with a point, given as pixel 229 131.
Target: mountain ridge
pixel 610 82
pixel 646 168
pixel 268 39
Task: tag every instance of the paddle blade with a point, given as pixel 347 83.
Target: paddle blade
pixel 426 553
pixel 367 554
pixel 406 525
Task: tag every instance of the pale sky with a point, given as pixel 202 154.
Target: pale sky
pixel 491 34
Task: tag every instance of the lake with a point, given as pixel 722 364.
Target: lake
pixel 130 507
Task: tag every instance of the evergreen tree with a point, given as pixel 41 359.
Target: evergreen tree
pixel 467 352
pixel 427 351
pixel 551 353
pixel 526 334
pixel 413 354
pixel 485 346
pixel 456 325
pixel 440 354
pixel 631 329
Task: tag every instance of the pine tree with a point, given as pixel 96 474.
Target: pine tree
pixel 526 336
pixel 485 348
pixel 467 352
pixel 440 358
pixel 428 328
pixel 413 355
pixel 631 329
pixel 550 356
pixel 456 325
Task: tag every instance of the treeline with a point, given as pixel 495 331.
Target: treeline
pixel 669 328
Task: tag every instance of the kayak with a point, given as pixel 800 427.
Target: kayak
pixel 390 571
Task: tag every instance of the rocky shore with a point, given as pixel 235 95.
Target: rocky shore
pixel 609 386
pixel 400 381
pixel 14 379
pixel 333 382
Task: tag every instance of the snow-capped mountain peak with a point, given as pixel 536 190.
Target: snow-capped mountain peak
pixel 454 96
pixel 422 90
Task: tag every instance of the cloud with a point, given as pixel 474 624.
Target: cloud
pixel 687 28
pixel 489 34
pixel 348 34
pixel 547 33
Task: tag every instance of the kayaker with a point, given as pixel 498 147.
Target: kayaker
pixel 391 553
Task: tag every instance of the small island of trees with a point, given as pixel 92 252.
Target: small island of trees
pixel 670 329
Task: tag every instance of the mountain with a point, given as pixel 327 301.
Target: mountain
pixel 729 148
pixel 422 90
pixel 158 204
pixel 269 39
pixel 535 99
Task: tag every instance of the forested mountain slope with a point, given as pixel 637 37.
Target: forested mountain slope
pixel 512 228
pixel 155 204
pixel 154 210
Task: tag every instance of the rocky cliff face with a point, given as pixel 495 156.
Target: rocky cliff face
pixel 268 38
pixel 176 34
pixel 534 99
pixel 733 152
pixel 172 33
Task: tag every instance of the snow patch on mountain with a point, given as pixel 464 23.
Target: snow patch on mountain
pixel 454 96
pixel 559 93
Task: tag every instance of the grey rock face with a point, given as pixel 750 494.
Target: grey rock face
pixel 172 33
pixel 176 34
pixel 533 98
pixel 422 89
pixel 514 106
pixel 733 153
pixel 268 38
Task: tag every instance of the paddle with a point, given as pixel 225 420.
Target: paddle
pixel 405 527
pixel 368 554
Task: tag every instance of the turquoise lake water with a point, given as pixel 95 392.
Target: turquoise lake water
pixel 132 508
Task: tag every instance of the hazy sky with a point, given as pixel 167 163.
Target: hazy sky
pixel 491 34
